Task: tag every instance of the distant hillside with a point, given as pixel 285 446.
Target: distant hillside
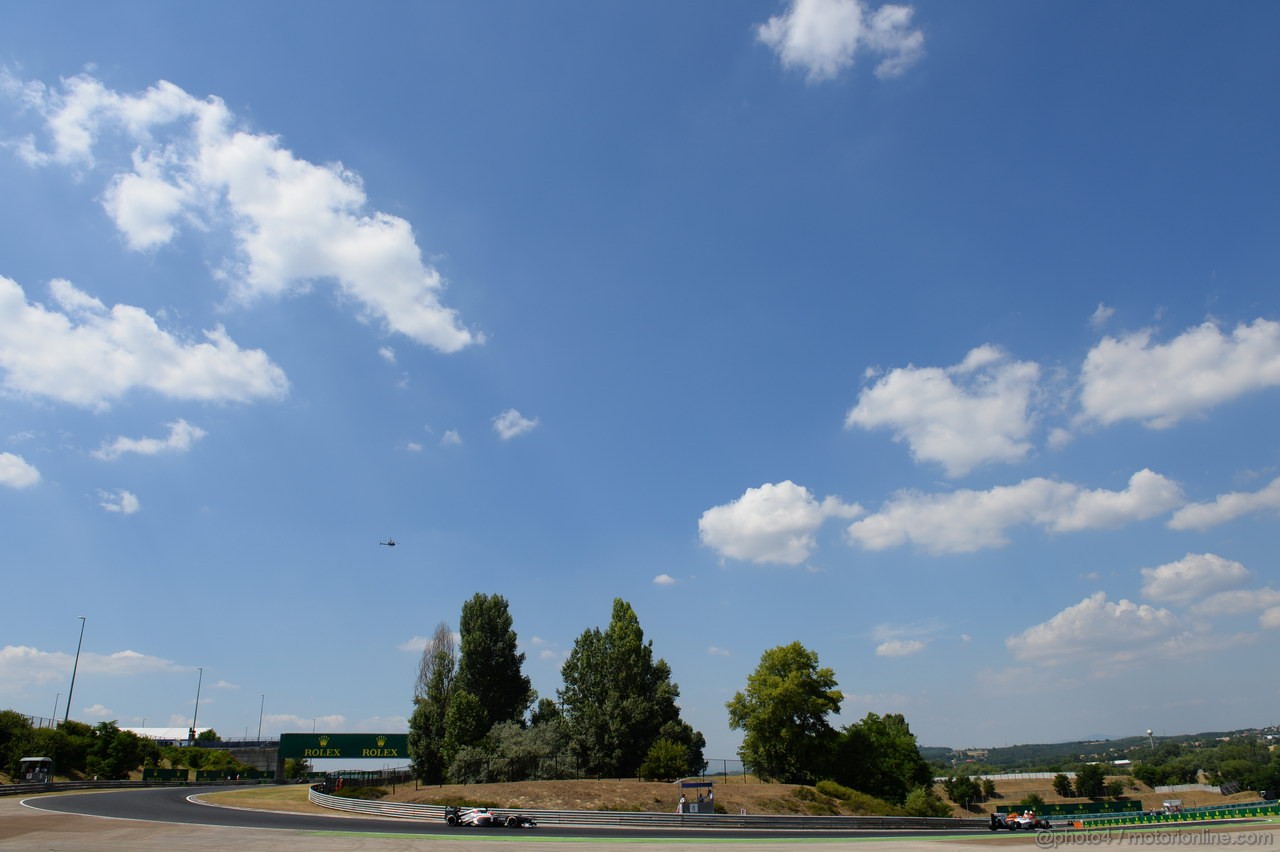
pixel 1049 756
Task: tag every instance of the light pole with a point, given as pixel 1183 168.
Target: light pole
pixel 261 704
pixel 73 670
pixel 56 699
pixel 196 714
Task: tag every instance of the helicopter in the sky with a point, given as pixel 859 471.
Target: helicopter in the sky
pixel 390 542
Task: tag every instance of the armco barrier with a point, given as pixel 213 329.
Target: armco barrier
pixel 72 786
pixel 435 813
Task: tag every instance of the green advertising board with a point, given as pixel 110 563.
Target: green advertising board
pixel 345 746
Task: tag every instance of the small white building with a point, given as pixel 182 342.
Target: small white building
pixel 166 736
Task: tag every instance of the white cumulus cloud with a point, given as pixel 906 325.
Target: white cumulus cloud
pixel 16 472
pixel 293 222
pixel 22 667
pixel 823 37
pixel 511 423
pixel 966 520
pixel 1192 578
pixel 1132 378
pixel 664 580
pixel 773 523
pixel 1097 628
pixel 181 438
pixel 1237 602
pixel 964 416
pixel 416 644
pixel 289 723
pixel 121 502
pixel 1227 507
pixel 88 355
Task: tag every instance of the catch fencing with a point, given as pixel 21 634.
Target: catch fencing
pixel 1012 776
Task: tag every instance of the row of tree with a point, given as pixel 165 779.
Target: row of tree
pixel 786 736
pixel 1249 761
pixel 616 714
pixel 476 717
pixel 102 751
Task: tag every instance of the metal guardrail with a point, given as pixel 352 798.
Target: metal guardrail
pixel 65 786
pixel 633 819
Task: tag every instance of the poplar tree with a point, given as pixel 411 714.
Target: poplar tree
pixel 432 694
pixel 618 700
pixel 490 667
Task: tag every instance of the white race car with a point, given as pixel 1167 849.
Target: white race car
pixel 485 818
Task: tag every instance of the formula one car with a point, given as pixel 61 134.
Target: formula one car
pixel 485 818
pixel 1026 821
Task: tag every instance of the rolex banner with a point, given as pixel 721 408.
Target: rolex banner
pixel 345 746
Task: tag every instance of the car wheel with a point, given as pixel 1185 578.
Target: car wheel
pixel 512 822
pixel 451 820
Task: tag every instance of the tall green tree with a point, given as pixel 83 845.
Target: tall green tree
pixel 114 753
pixel 438 664
pixel 1091 780
pixel 1062 785
pixel 783 714
pixel 961 789
pixel 433 691
pixel 465 724
pixel 879 755
pixel 618 700
pixel 490 667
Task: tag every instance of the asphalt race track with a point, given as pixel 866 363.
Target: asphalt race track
pixel 171 806
pixel 164 819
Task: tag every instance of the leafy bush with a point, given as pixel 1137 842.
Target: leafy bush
pixel 834 790
pixel 858 802
pixel 194 757
pixel 815 803
pixel 665 761
pixel 923 802
pixel 1032 801
pixel 370 793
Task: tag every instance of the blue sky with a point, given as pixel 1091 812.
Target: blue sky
pixel 941 338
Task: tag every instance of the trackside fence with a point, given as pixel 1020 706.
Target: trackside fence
pixel 72 786
pixel 435 813
pixel 1256 810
